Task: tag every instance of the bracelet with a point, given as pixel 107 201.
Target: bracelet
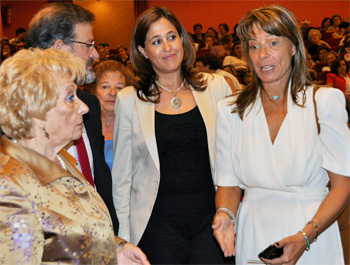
pixel 316 228
pixel 121 244
pixel 307 240
pixel 227 211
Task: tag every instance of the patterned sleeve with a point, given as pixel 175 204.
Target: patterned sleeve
pixel 335 134
pixel 21 238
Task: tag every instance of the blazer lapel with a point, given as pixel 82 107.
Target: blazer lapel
pixel 208 111
pixel 145 112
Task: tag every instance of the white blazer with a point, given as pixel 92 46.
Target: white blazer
pixel 136 171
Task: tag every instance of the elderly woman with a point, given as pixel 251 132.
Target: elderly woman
pixel 268 144
pixel 164 146
pixel 49 212
pixel 314 37
pixel 111 78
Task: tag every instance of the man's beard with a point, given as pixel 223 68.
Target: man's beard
pixel 90 74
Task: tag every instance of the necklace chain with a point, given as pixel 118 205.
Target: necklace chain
pixel 176 102
pixel 63 165
pixel 171 91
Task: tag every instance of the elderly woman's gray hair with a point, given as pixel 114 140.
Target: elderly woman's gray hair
pixel 311 31
pixel 28 87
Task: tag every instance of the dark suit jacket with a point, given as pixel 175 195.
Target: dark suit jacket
pixel 102 173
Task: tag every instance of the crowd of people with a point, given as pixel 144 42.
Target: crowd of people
pixel 186 149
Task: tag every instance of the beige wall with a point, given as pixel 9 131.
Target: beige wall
pixel 114 21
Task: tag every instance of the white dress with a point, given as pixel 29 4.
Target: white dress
pixel 284 182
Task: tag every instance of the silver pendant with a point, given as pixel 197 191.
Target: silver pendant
pixel 176 102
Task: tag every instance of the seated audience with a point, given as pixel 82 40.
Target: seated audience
pixel 213 32
pixel 210 63
pixel 224 48
pixel 314 37
pixel 331 56
pixel 346 48
pixel 305 25
pixel 234 34
pixel 19 41
pixel 209 41
pixel 237 60
pixel 5 51
pixel 50 214
pixel 322 52
pixel 326 23
pixel 4 39
pixel 310 63
pixel 343 28
pixel 198 36
pixel 111 77
pixel 122 53
pixel 223 29
pixel 336 20
pixel 102 53
pixel 107 48
pixel 339 76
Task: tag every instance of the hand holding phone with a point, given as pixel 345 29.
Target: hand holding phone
pixel 271 252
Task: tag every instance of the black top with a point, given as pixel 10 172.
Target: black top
pixel 186 187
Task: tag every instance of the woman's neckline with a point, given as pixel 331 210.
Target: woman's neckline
pixel 176 114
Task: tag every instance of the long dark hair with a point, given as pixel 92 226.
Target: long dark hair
pixel 278 21
pixel 147 89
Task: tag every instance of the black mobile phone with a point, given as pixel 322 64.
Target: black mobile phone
pixel 271 252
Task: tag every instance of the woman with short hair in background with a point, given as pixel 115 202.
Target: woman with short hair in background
pixel 111 78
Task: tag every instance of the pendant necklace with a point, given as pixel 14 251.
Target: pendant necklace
pixel 176 102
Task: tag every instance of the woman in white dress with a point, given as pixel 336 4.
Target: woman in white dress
pixel 268 144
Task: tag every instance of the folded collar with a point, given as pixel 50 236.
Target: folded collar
pixel 44 169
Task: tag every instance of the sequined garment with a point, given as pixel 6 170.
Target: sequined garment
pixel 49 215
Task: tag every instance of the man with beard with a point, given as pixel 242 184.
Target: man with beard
pixel 69 27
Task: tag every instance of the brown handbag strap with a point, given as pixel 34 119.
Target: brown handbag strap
pixel 318 124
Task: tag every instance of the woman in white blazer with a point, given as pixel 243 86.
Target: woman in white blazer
pixel 164 135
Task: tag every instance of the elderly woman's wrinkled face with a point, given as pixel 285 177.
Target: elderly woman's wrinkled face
pixel 271 56
pixel 108 87
pixel 64 122
pixel 314 37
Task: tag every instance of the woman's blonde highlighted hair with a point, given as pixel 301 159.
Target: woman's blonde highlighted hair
pixel 28 87
pixel 278 21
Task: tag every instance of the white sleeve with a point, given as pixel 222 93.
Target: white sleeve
pixel 224 173
pixel 122 164
pixel 335 134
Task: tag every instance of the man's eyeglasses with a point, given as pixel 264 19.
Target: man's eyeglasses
pixel 89 45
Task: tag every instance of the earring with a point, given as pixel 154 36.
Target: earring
pixel 46 133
